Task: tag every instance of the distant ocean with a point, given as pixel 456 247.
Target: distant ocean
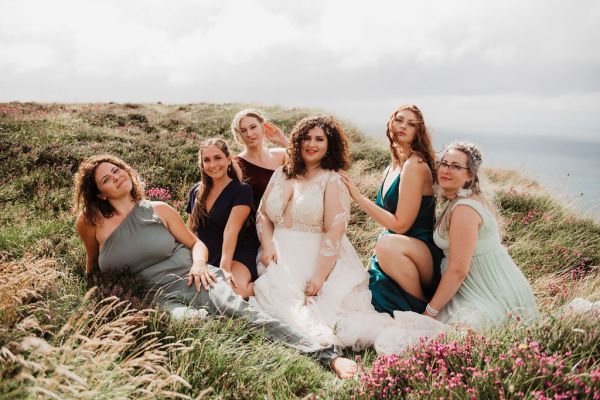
pixel 570 169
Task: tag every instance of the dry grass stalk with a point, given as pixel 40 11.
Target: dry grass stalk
pixel 552 291
pixel 23 282
pixel 102 352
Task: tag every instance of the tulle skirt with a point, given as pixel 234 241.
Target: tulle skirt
pixel 341 313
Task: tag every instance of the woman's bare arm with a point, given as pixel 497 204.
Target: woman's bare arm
pixel 412 179
pixel 464 228
pixel 87 233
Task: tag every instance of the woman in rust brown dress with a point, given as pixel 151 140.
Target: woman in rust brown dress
pixel 258 162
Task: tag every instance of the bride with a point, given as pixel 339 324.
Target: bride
pixel 311 276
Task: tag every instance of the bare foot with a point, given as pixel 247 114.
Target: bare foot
pixel 344 367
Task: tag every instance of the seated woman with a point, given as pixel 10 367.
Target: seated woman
pixel 257 162
pixel 405 268
pixel 480 282
pixel 222 216
pixel 314 279
pixel 123 232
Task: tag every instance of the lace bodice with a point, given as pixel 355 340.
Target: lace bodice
pixel 321 205
pixel 301 205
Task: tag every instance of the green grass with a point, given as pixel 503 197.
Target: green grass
pixel 41 146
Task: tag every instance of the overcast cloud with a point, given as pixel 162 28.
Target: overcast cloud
pixel 478 66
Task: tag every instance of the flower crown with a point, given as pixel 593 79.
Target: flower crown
pixel 472 150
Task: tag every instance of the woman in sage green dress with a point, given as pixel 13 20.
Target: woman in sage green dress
pixel 123 232
pixel 405 267
pixel 480 283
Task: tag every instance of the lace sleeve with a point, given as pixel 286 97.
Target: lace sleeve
pixel 335 222
pixel 336 215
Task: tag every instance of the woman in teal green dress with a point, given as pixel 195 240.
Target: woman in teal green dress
pixel 405 267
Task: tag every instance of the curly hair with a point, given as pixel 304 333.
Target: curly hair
pixel 421 144
pixel 336 157
pixel 237 120
pixel 199 211
pixel 85 197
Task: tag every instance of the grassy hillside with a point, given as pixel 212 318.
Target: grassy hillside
pixel 57 341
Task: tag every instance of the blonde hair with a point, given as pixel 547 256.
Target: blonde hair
pixel 474 161
pixel 237 119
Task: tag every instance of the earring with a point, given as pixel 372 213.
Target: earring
pixel 462 192
pixel 229 168
pixel 465 191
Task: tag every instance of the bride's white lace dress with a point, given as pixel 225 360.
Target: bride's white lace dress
pixel 307 220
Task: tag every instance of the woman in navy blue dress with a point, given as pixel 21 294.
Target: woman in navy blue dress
pixel 221 208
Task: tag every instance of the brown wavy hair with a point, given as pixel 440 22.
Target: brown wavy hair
pixel 199 211
pixel 85 197
pixel 336 157
pixel 421 144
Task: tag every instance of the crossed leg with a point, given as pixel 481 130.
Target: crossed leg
pixel 407 261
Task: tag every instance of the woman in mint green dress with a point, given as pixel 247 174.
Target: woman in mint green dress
pixel 480 283
pixel 405 267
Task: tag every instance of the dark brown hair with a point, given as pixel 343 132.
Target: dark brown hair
pixel 85 197
pixel 336 156
pixel 199 211
pixel 421 144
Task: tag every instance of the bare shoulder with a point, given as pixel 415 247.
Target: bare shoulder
pixel 416 164
pixel 161 207
pixel 82 226
pixel 464 214
pixel 86 231
pixel 416 170
pixel 163 210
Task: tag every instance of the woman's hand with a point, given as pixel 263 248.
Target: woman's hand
pixel 352 189
pixel 268 255
pixel 201 276
pixel 313 286
pixel 229 278
pixel 275 135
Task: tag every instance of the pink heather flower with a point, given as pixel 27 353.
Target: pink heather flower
pixel 159 194
pixel 519 362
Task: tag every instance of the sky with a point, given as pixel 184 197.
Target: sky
pixel 479 67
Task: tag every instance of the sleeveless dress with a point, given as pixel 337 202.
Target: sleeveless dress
pixel 388 296
pixel 309 223
pixel 255 176
pixel 212 227
pixel 142 245
pixel 494 285
pixel 493 288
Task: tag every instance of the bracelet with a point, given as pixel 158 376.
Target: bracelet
pixel 432 311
